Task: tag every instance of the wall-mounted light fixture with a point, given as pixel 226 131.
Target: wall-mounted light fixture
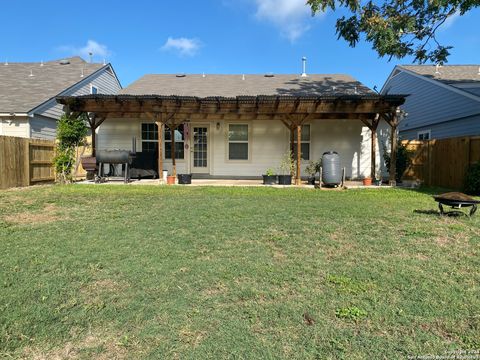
pixel 218 125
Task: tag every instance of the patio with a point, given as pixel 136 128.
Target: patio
pixel 349 184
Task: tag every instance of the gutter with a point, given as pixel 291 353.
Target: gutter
pixel 13 114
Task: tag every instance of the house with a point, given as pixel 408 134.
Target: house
pixel 444 101
pixel 28 90
pixel 237 126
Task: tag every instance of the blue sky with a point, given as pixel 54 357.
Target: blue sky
pixel 211 36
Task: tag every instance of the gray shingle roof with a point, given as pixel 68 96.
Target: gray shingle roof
pixel 251 85
pixel 20 92
pixel 448 74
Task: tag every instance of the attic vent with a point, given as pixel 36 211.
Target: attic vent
pixel 64 62
pixel 269 75
pixel 180 75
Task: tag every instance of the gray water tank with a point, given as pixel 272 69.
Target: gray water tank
pixel 331 168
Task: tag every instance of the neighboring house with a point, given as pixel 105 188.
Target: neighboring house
pixel 237 126
pixel 443 101
pixel 28 90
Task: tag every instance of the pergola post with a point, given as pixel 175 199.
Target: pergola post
pixel 393 151
pixel 299 154
pixel 160 149
pixel 174 164
pixel 292 141
pixel 373 154
pixel 94 121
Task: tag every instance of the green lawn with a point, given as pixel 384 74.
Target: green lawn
pixel 193 273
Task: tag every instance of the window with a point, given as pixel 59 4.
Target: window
pixel 305 143
pixel 424 135
pixel 149 137
pixel 93 90
pixel 179 142
pixel 238 142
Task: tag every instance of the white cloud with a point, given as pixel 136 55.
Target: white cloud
pixel 92 46
pixel 290 16
pixel 184 46
pixel 450 20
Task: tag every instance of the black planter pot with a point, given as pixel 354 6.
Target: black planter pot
pixel 184 179
pixel 284 179
pixel 269 179
pixel 311 180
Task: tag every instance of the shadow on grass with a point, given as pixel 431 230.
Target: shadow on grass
pixel 427 212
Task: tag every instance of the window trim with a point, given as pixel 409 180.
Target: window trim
pixel 423 132
pixel 309 142
pixel 91 89
pixel 142 140
pixel 248 142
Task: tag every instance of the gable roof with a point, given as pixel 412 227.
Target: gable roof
pixel 20 92
pixel 448 74
pixel 231 86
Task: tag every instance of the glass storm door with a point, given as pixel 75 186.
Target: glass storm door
pixel 200 159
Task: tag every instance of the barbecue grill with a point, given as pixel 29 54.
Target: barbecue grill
pixel 116 157
pixel 456 201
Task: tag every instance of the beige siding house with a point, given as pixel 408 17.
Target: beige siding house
pixel 231 147
pixel 28 90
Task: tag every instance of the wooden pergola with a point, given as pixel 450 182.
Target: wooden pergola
pixel 292 111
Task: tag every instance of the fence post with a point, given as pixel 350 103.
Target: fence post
pixel 430 167
pixel 26 163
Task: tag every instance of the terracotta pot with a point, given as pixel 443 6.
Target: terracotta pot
pixel 171 180
pixel 367 181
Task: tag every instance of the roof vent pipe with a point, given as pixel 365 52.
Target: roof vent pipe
pixel 243 76
pixel 6 62
pixel 304 66
pixel 478 71
pixel 437 71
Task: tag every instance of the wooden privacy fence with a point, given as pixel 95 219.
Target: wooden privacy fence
pixel 24 162
pixel 442 162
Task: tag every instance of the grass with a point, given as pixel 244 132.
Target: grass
pixel 193 273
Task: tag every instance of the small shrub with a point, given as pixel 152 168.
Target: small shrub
pixel 350 313
pixel 71 133
pixel 287 164
pixel 472 180
pixel 404 159
pixel 313 167
pixel 270 172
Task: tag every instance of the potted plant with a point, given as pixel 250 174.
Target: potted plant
pixel 286 169
pixel 170 180
pixel 367 181
pixel 312 169
pixel 269 178
pixel 184 179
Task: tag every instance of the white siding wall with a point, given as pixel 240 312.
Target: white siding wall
pixel 19 127
pixel 269 140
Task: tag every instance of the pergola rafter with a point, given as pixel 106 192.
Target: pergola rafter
pixel 292 111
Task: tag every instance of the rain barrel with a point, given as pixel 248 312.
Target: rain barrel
pixel 331 168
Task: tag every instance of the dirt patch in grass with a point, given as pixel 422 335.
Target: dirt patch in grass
pixel 102 286
pixel 192 337
pixel 49 213
pixel 217 289
pixel 98 346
